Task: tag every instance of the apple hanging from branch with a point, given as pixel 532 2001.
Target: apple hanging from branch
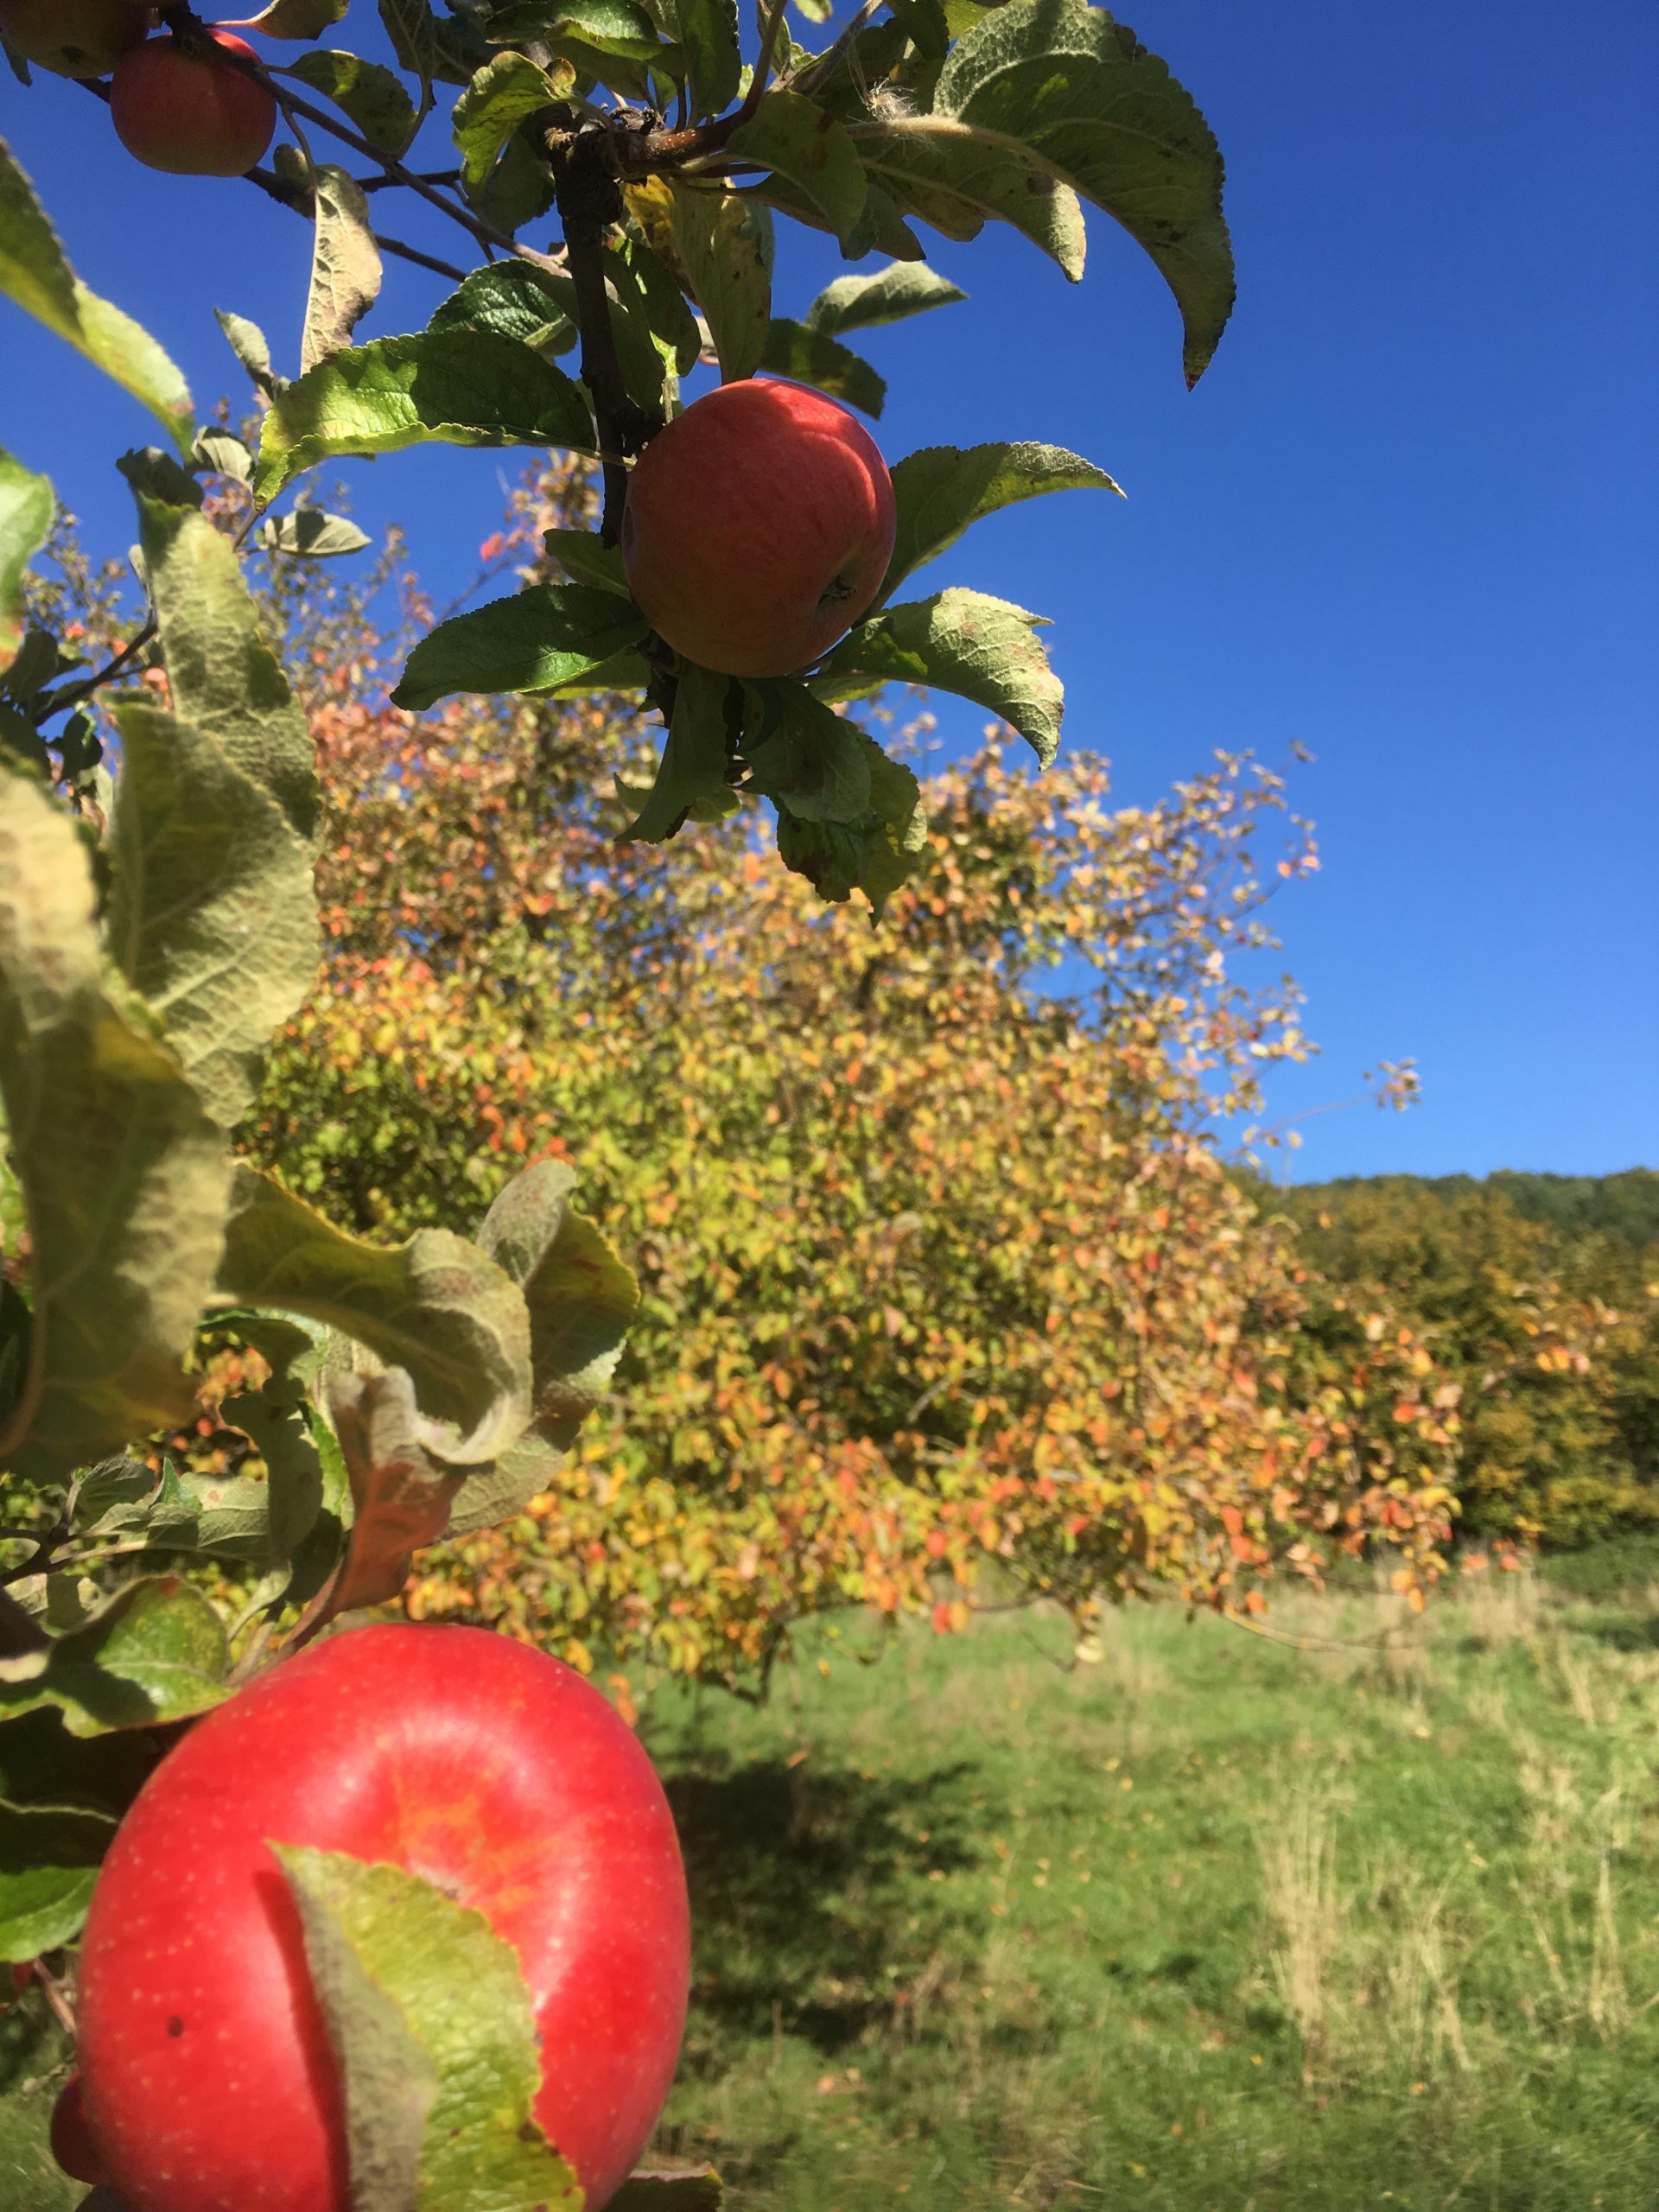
pixel 758 528
pixel 178 107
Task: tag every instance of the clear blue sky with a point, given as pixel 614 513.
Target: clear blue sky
pixel 1409 517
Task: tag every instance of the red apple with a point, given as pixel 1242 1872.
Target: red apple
pixel 487 1767
pixel 759 526
pixel 176 107
pixel 76 38
pixel 72 2147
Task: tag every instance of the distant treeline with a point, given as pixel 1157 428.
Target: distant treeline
pixel 1626 1204
pixel 1538 1295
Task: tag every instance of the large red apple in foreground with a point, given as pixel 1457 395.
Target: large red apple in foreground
pixel 76 38
pixel 207 2077
pixel 759 526
pixel 180 109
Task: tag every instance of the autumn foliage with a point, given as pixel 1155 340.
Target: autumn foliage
pixel 947 1294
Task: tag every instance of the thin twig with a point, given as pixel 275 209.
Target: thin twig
pixel 426 176
pixel 57 2000
pixel 421 260
pixel 756 92
pixel 72 694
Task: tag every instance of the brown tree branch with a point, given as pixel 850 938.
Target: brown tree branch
pixel 589 200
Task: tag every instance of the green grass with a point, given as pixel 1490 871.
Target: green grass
pixel 1212 1925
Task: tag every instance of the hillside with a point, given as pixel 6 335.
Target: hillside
pixel 1624 1205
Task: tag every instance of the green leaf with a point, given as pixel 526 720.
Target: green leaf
pixel 432 2026
pixel 346 270
pixel 983 649
pixel 368 95
pixel 550 634
pixel 926 23
pixel 954 180
pixel 221 453
pixel 1061 82
pixel 459 387
pixel 276 1418
pixel 585 555
pixel 40 661
pixel 940 490
pixel 308 534
pixel 226 1516
pixel 413 30
pixel 724 244
pixel 888 296
pixel 671 321
pixel 791 136
pixel 646 364
pixel 156 1652
pixel 436 1306
pixel 698 2190
pixel 22 742
pixel 881 226
pixel 520 188
pixel 503 1488
pixel 582 1297
pixel 612 27
pixel 211 914
pixel 249 343
pixel 707 31
pixel 33 273
pixel 25 516
pixel 812 761
pixel 695 760
pixel 124 1177
pixel 793 350
pixel 497 101
pixel 223 677
pixel 873 855
pixel 626 671
pixel 49 1857
pixel 514 300
pixel 298 19
pixel 42 1765
pixel 656 314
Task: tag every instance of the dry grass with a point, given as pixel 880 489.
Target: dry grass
pixel 1299 1872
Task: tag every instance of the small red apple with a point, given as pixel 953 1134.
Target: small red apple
pixel 72 2147
pixel 75 38
pixel 176 107
pixel 490 1770
pixel 759 526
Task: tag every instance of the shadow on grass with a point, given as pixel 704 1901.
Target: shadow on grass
pixel 809 1896
pixel 1627 1635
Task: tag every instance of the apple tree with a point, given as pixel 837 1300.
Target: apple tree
pixel 612 176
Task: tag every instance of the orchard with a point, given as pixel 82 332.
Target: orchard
pixel 391 1915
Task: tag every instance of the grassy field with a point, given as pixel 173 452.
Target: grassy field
pixel 1211 1925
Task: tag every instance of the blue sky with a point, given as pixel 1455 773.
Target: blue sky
pixel 1408 518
